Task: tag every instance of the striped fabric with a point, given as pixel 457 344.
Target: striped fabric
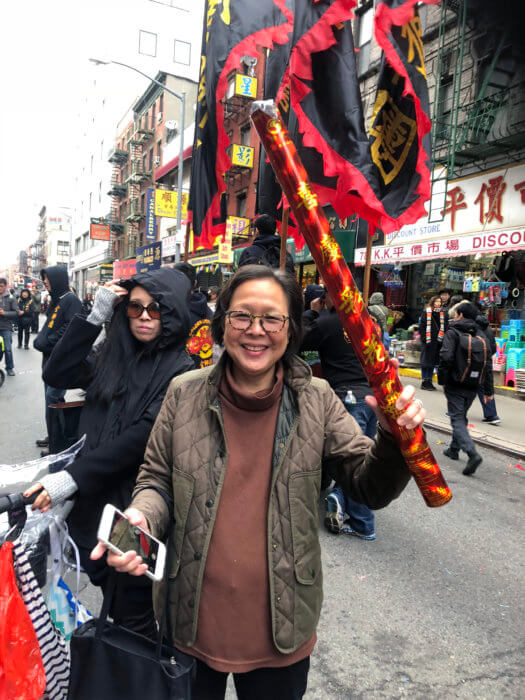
pixel 53 648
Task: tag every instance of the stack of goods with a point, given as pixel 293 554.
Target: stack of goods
pixel 512 342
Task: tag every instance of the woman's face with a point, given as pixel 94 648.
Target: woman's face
pixel 437 304
pixel 144 328
pixel 254 352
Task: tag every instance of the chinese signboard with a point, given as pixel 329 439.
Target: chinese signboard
pixel 225 247
pixel 124 269
pixel 149 256
pixel 151 228
pixel 245 86
pixel 99 230
pixel 106 273
pixel 239 226
pixel 485 213
pixel 169 246
pixel 166 203
pixel 242 155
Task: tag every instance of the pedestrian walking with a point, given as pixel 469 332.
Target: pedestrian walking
pixel 433 325
pixel 237 451
pixel 323 331
pixel 37 299
pixel 378 308
pixel 62 307
pixel 26 311
pixel 464 366
pixel 266 246
pixel 8 316
pixel 125 381
pixel 488 405
pixel 199 345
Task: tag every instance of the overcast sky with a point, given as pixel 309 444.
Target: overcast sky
pixel 44 47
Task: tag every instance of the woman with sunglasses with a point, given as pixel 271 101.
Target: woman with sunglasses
pixel 125 379
pixel 232 474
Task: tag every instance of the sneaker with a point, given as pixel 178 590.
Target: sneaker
pixel 473 463
pixel 492 421
pixel 11 372
pixel 334 514
pixel 450 453
pixel 347 530
pixel 43 443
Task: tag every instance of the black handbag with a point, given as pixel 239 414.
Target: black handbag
pixel 109 661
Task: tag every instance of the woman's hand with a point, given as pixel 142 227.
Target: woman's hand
pixel 42 501
pixel 114 286
pixel 413 415
pixel 130 562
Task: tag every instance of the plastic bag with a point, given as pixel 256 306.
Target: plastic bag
pixel 22 674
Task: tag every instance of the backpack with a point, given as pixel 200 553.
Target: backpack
pixel 256 255
pixel 472 355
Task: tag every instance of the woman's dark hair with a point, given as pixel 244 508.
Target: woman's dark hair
pixel 455 299
pixel 468 310
pixel 117 358
pixel 28 293
pixel 291 290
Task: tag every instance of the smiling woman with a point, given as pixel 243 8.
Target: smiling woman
pixel 238 449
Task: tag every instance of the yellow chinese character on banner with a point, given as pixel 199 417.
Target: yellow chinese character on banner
pixel 393 132
pixel 242 156
pixel 309 198
pixel 351 302
pixel 245 86
pixel 329 248
pixel 373 351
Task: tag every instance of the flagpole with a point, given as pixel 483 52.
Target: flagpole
pixel 187 242
pixel 368 259
pixel 366 342
pixel 284 237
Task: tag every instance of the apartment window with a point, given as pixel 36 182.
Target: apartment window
pixel 245 134
pixel 78 244
pixel 153 116
pixel 182 52
pixel 144 160
pixel 143 203
pixel 150 159
pixel 241 204
pixel 159 148
pixel 161 102
pixel 85 241
pixel 366 21
pixel 147 43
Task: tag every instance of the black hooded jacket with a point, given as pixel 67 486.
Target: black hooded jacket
pixel 63 305
pixel 200 343
pixel 266 250
pixel 447 357
pixel 117 433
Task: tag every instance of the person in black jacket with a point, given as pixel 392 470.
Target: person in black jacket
pixel 323 331
pixel 26 311
pixel 125 382
pixel 460 395
pixel 433 325
pixel 62 306
pixel 199 345
pixel 490 412
pixel 266 246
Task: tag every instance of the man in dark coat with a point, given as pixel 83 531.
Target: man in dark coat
pixel 266 247
pixel 200 343
pixel 460 395
pixel 8 315
pixel 63 305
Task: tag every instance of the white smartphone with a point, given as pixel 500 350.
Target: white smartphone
pixel 119 535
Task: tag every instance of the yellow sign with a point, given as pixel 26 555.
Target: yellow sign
pixel 225 247
pixel 245 86
pixel 239 226
pixel 166 203
pixel 242 155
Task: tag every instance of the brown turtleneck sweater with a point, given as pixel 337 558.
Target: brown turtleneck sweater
pixel 234 632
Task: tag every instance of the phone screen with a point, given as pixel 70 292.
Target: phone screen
pixel 125 537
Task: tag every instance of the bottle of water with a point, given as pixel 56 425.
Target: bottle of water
pixel 350 398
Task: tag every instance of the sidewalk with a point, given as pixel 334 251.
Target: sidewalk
pixel 508 436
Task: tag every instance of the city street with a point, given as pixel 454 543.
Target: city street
pixel 433 608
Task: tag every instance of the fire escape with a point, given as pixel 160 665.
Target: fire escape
pixel 118 191
pixel 479 104
pixel 138 175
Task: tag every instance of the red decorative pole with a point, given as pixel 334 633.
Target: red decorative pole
pixel 339 282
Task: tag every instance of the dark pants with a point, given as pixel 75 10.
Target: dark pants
pixel 23 334
pixel 361 518
pixel 52 396
pixel 489 408
pixel 286 683
pixel 35 322
pixel 8 347
pixel 427 373
pixel 458 403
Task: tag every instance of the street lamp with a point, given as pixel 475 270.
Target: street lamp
pixel 182 98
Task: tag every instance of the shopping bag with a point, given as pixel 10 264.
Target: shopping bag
pixel 22 674
pixel 53 648
pixel 109 661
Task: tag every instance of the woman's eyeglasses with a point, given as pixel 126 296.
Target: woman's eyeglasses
pixel 242 320
pixel 135 309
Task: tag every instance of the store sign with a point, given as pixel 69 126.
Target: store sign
pixel 240 226
pixel 106 273
pixel 242 155
pixel 99 230
pixel 151 226
pixel 508 239
pixel 169 246
pixel 124 269
pixel 166 203
pixel 149 257
pixel 205 259
pixel 225 246
pixel 245 86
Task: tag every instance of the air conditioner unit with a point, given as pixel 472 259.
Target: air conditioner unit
pixel 156 161
pixel 159 117
pixel 172 125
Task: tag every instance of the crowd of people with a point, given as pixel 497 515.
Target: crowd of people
pixel 198 402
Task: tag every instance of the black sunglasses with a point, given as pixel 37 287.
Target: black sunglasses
pixel 135 309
